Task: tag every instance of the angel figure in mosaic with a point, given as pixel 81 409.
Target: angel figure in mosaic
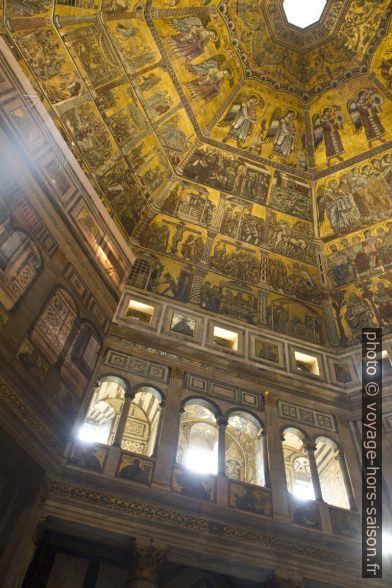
pixel 326 127
pixel 241 118
pixel 211 73
pixel 364 111
pixel 282 133
pixel 194 34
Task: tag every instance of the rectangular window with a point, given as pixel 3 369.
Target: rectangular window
pixel 225 338
pixel 306 363
pixel 139 311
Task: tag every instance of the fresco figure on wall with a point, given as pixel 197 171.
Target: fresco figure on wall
pixel 194 34
pixel 241 117
pixel 383 299
pixel 211 74
pixel 358 313
pixel 338 203
pixel 282 133
pixel 364 112
pixel 326 127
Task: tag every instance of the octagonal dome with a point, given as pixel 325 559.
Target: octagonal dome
pixel 303 13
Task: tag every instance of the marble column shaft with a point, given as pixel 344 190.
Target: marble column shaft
pixel 168 438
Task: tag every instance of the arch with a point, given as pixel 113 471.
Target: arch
pixel 232 411
pixel 207 403
pixel 296 463
pixel 303 435
pixel 243 450
pixel 55 325
pixel 154 390
pixel 198 437
pixel 109 377
pixel 103 413
pixel 20 263
pixel 330 471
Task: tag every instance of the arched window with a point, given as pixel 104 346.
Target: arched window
pixel 329 466
pixel 105 408
pixel 198 439
pixel 140 273
pixel 20 263
pixel 297 467
pixel 243 450
pixel 54 326
pixel 142 423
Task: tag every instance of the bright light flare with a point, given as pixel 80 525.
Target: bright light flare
pixel 303 491
pixel 91 434
pixel 202 461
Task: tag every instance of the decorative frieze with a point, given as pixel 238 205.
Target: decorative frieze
pixel 250 498
pixel 222 391
pixel 128 507
pixel 135 365
pixel 307 416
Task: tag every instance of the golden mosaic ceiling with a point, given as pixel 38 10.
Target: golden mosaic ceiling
pixel 211 130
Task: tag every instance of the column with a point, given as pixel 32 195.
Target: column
pixel 264 451
pixel 122 421
pixel 146 564
pixel 351 460
pixel 346 478
pixel 280 498
pixel 314 472
pixel 198 281
pixel 168 438
pixel 222 424
pixel 114 453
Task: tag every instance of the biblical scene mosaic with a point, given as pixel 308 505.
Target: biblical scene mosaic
pixel 224 141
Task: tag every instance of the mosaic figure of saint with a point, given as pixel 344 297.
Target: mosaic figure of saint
pixel 193 36
pixel 364 112
pixel 211 74
pixel 326 127
pixel 241 117
pixel 282 133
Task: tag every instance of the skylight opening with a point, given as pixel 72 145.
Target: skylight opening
pixel 303 13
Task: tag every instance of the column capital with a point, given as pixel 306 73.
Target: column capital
pixel 269 397
pixel 147 562
pixel 222 421
pixel 177 372
pixel 310 447
pixel 129 394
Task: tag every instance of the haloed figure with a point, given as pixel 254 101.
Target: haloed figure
pixel 282 134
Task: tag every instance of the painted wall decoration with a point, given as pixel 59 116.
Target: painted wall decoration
pixel 349 121
pixel 355 198
pixel 250 498
pixel 224 142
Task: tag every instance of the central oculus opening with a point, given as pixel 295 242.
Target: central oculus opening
pixel 303 13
